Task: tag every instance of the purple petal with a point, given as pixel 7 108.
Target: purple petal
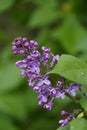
pixel 21 64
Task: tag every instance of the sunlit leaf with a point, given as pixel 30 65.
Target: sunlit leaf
pixel 71 68
pixel 80 124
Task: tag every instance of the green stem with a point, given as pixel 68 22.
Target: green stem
pixel 73 99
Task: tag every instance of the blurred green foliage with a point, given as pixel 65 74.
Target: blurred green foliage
pixel 58 24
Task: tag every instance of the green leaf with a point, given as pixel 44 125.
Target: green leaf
pixel 70 33
pixel 71 68
pixel 5 4
pixel 18 104
pixel 79 124
pixel 76 124
pixel 45 14
pixel 9 77
pixel 14 104
pixel 83 103
pixel 42 17
pixel 81 48
pixel 82 45
pixel 67 127
pixel 6 123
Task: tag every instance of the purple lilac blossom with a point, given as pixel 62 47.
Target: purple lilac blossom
pixel 67 120
pixel 38 77
pixel 73 88
pixel 59 84
pixel 49 105
pixel 31 67
pixel 63 112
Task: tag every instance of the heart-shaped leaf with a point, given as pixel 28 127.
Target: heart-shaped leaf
pixel 71 68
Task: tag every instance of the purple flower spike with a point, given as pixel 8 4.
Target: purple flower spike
pixel 64 112
pixel 45 49
pixel 42 99
pixel 21 64
pixel 24 39
pixel 54 59
pixel 37 89
pixel 66 121
pixel 63 122
pixel 61 94
pixel 23 72
pixel 43 80
pixel 73 88
pixel 35 67
pixel 59 84
pixel 49 104
pixel 33 45
pixel 45 58
pixel 32 81
pixel 26 44
pixel 35 54
pixel 57 93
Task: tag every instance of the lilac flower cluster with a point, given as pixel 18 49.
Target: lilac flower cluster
pixel 69 116
pixel 64 122
pixel 36 66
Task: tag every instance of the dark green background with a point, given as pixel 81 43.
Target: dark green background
pixel 58 24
